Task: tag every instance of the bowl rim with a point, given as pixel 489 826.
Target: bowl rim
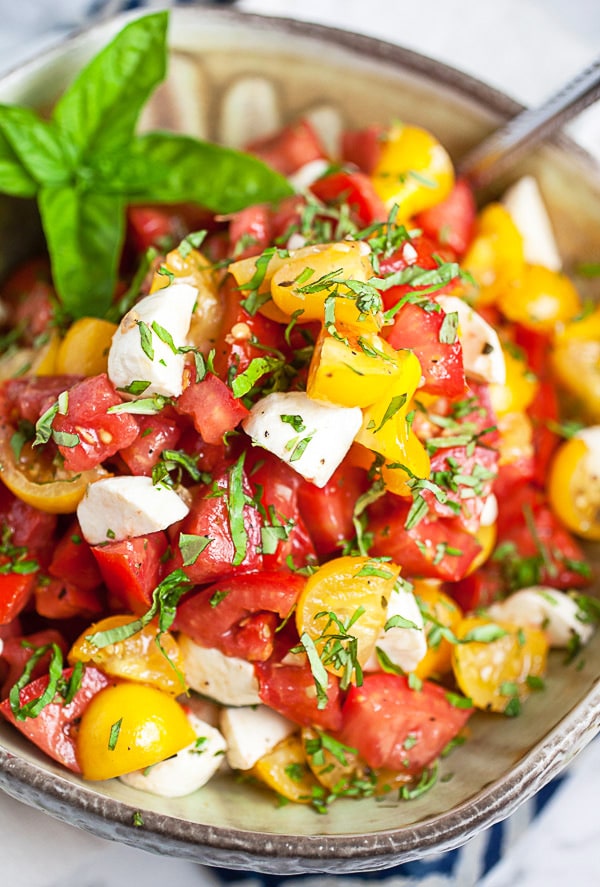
pixel 110 818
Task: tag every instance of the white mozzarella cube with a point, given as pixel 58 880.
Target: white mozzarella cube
pixel 405 646
pixel 142 352
pixel 117 508
pixel 526 206
pixel 252 732
pixel 188 770
pixel 483 358
pixel 547 608
pixel 311 436
pixel 226 679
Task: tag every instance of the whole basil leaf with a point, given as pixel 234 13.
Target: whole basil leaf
pixel 84 231
pixel 36 143
pixel 169 168
pixel 14 179
pixel 99 111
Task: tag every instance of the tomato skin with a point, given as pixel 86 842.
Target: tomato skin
pixel 441 362
pixel 290 148
pixel 18 650
pixel 101 434
pixel 328 511
pixel 73 560
pixel 230 624
pixel 132 568
pixel 421 550
pixel 54 729
pixel 451 223
pixel 354 189
pixel 212 407
pixel 478 589
pixel 156 433
pixel 453 459
pixel 31 528
pixel 28 397
pixel 542 411
pixel 209 516
pixel 381 715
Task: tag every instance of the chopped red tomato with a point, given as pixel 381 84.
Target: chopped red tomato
pixel 328 511
pixel 132 569
pixel 398 728
pixel 250 231
pixel 451 222
pixel 73 560
pixel 290 148
pixel 356 190
pixel 466 477
pixel 159 432
pixel 96 433
pixel 58 599
pixel 54 729
pixel 363 147
pixel 18 650
pixel 28 397
pixel 440 355
pixel 224 614
pixel 15 591
pixel 213 408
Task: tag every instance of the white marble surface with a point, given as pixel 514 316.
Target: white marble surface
pixel 527 48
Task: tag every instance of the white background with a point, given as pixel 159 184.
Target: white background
pixel 526 48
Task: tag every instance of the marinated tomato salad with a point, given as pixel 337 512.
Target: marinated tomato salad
pixel 307 495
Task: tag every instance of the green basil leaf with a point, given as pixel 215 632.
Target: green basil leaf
pixel 170 168
pixel 14 178
pixel 84 232
pixel 36 143
pixel 99 111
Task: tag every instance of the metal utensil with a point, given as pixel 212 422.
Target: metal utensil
pixel 499 151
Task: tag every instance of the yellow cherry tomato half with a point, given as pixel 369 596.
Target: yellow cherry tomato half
pixel 520 386
pixel 540 299
pixel 576 362
pixel 495 662
pixel 516 438
pixel 353 370
pixel 129 727
pixel 486 535
pixel 439 611
pixel 343 608
pixel 574 483
pixel 39 483
pixel 137 658
pixel 305 283
pixel 84 349
pixel 495 257
pixel 285 770
pixel 414 170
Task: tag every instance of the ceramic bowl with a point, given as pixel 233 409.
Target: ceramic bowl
pixel 235 76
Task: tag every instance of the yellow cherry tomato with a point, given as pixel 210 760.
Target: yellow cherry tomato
pixel 486 535
pixel 254 275
pixel 540 299
pixel 137 658
pixel 353 370
pixel 576 362
pixel 84 349
pixel 190 266
pixel 414 456
pixel 129 727
pixel 36 481
pixel 495 257
pixel 414 170
pixel 285 770
pixel 306 282
pixel 344 603
pixel 574 484
pixel 494 662
pixel 439 610
pixel 520 387
pixel 516 438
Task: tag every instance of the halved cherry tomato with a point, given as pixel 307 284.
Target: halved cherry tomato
pixel 129 727
pixel 285 770
pixel 147 656
pixel 574 484
pixel 439 610
pixel 495 257
pixel 494 660
pixel 540 299
pixel 84 349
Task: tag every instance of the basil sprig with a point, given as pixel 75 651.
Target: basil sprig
pixel 85 164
